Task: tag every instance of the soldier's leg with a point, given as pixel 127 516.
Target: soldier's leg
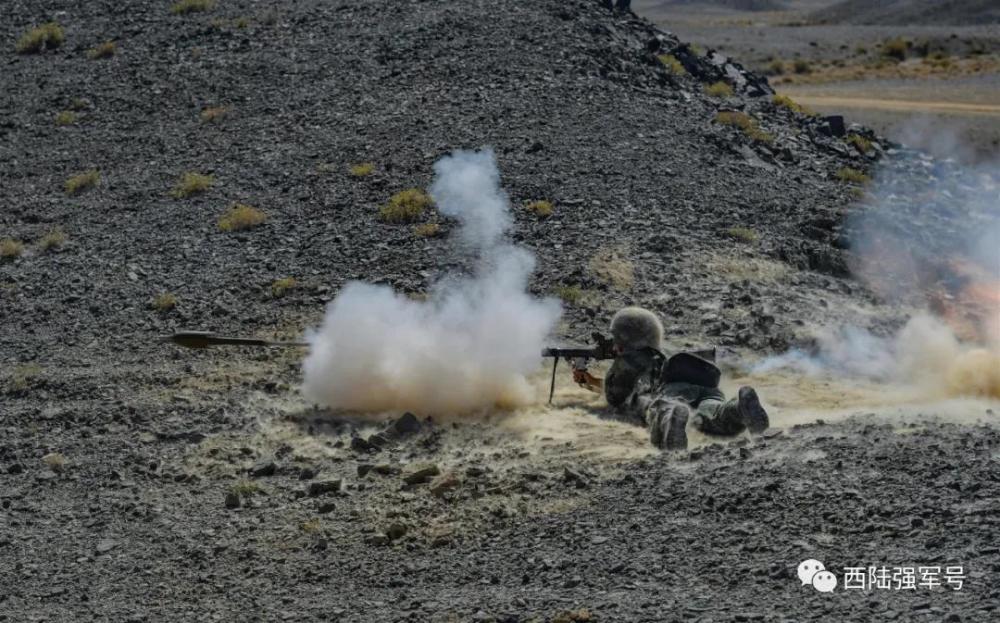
pixel 719 417
pixel 667 421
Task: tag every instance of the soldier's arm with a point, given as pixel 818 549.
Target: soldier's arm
pixel 588 380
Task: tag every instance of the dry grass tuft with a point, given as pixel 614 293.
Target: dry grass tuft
pixel 245 488
pixel 25 377
pixel 542 209
pixel 312 526
pixel 241 216
pixel 214 114
pixel 673 65
pixel 743 234
pixel 164 302
pixel 847 174
pixel 183 7
pixel 571 295
pixel 405 206
pixel 746 123
pixel 82 181
pixel 282 286
pixel 362 170
pixel 580 615
pixel 54 461
pixel 860 143
pixel 719 89
pixel 47 36
pixel 801 66
pixel 52 240
pixel 10 248
pixel 895 48
pixel 776 68
pixel 427 230
pixel 191 184
pixel 783 101
pixel 66 117
pixel 104 50
pixel 611 267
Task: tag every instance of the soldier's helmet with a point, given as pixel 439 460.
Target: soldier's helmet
pixel 633 328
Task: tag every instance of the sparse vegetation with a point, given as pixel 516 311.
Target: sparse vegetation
pixel 47 36
pixel 743 234
pixel 312 526
pixel 76 184
pixel 862 144
pixel 611 267
pixel 719 89
pixel 895 48
pixel 783 101
pixel 746 123
pixel 10 248
pixel 164 302
pixel 66 117
pixel 214 114
pixel 362 170
pixel 847 174
pixel 52 240
pixel 190 184
pixel 104 50
pixel 571 295
pixel 427 230
pixel 776 67
pixel 241 216
pixel 406 206
pixel 242 23
pixel 54 461
pixel 282 286
pixel 541 209
pixel 78 104
pixel 183 7
pixel 25 377
pixel 673 65
pixel 801 66
pixel 245 488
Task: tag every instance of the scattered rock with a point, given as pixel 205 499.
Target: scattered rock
pixel 420 473
pixel 324 487
pixel 407 424
pixel 15 469
pixel 105 546
pixel 444 483
pixel 232 500
pixel 325 507
pixel 263 468
pixel 396 531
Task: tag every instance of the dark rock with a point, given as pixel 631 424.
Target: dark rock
pixel 307 473
pixel 232 500
pixel 326 507
pixel 406 424
pixel 324 487
pixel 420 473
pixel 15 469
pixel 396 531
pixel 263 469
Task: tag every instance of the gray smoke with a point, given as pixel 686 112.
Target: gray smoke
pixel 469 347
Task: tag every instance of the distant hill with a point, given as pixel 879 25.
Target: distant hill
pixel 916 12
pixel 735 5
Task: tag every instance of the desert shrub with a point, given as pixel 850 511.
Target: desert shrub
pixel 183 7
pixel 282 286
pixel 78 104
pixel 10 248
pixel 801 66
pixel 312 526
pixel 165 301
pixel 776 67
pixel 611 267
pixel 25 377
pixel 542 209
pixel 861 50
pixel 570 295
pixel 783 101
pixel 191 184
pixel 241 216
pixel 406 206
pixel 743 234
pixel 719 89
pixel 66 117
pixel 47 36
pixel 861 143
pixel 242 23
pixel 427 230
pixel 104 50
pixel 82 181
pixel 245 488
pixel 673 65
pixel 214 114
pixel 895 48
pixel 362 170
pixel 54 461
pixel 744 122
pixel 52 240
pixel 847 174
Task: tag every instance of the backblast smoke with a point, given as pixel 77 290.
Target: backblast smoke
pixel 468 347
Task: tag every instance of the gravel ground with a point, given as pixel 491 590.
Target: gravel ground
pixel 140 483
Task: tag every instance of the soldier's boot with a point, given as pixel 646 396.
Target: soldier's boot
pixel 752 413
pixel 668 425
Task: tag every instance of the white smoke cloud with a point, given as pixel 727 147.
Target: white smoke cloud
pixel 469 347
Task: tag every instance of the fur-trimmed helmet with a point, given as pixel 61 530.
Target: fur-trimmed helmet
pixel 633 328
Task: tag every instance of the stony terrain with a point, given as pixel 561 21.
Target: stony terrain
pixel 142 483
